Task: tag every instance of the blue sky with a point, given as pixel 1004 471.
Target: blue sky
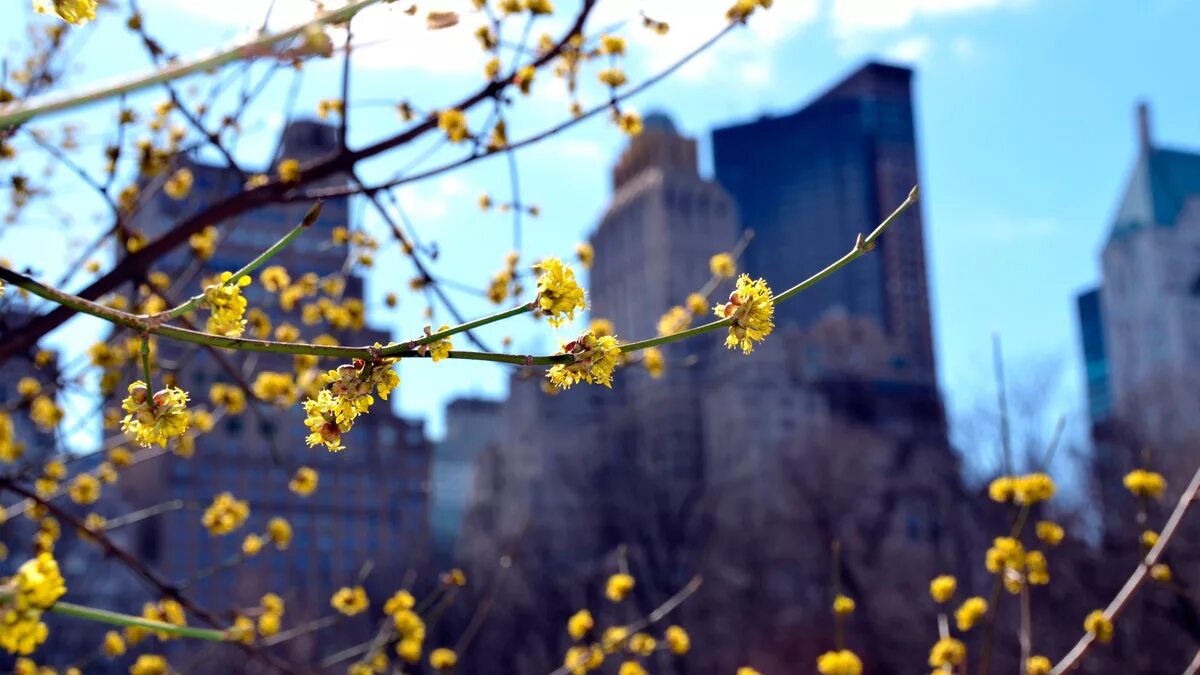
pixel 1024 114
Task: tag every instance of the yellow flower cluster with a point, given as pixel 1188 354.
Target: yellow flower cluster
pixel 1100 625
pixel 165 611
pixel 843 605
pixel 225 514
pixel 10 448
pixel 619 587
pixel 443 659
pixel 676 319
pixel 410 628
pixel 942 588
pixel 279 530
pixel 85 489
pixel 76 12
pixel 150 664
pixel 1023 490
pixel 154 419
pixel 1037 665
pixel 585 254
pixel 742 9
pixel 304 483
pixel 454 123
pixel 45 413
pixel 722 265
pixel 1049 532
pixel 289 170
pixel 438 349
pixel 1007 557
pixel 350 601
pixel 677 640
pixel 752 308
pixel 179 184
pixel 580 624
pixel 558 294
pixel 348 395
pixel 580 659
pixel 35 587
pixel 227 304
pixel 1146 484
pixel 840 662
pixel 272 614
pixel 276 388
pixel 204 243
pixel 947 652
pixel 970 612
pixel 594 359
pixel 653 361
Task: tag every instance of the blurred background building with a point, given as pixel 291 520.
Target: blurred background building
pixel 714 467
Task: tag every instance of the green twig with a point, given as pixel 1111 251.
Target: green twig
pixel 305 223
pixel 259 46
pixel 149 324
pixel 146 367
pixel 105 616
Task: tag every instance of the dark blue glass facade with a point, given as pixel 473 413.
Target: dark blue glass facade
pixel 809 182
pixel 1095 359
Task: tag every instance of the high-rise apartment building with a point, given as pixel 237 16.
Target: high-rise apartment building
pixel 809 182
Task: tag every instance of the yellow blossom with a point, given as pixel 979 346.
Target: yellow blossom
pixel 225 514
pixel 1049 532
pixel 942 588
pixel 36 586
pixel 722 265
pixel 1037 665
pixel 612 77
pixel 10 449
pixel 1033 488
pixel 751 306
pixel 154 419
pixel 629 122
pixel 150 664
pixel 1002 489
pixel 653 361
pixel 350 601
pixel 841 662
pixel 204 243
pixel 619 587
pixel 580 624
pixel 409 650
pixel 1036 569
pixel 179 184
pixel 454 123
pixel 843 605
pixel 274 278
pixel 227 304
pixel 252 544
pixel 747 670
pixel 280 532
pixel 1149 538
pixel 611 44
pixel 1100 625
pixel 1144 483
pixel 593 362
pixel 268 624
pixel 585 254
pixel 558 294
pixel 970 612
pixel 400 601
pixel 675 319
pixel 613 638
pixel 443 658
pixel 641 644
pixel 947 652
pixel 76 12
pixel 289 171
pixel 322 421
pixel 601 327
pixel 28 387
pixel 1161 573
pixel 85 489
pixel 697 304
pixel 45 413
pixel 631 668
pixel 277 388
pixel 114 644
pixel 304 483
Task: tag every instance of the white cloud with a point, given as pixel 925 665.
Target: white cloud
pixel 852 16
pixel 432 201
pixel 910 50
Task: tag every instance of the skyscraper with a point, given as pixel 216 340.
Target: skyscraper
pixel 1150 296
pixel 809 182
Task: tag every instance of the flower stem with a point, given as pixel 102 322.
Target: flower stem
pixel 146 364
pixel 238 51
pixel 113 618
pixel 305 223
pixel 154 324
